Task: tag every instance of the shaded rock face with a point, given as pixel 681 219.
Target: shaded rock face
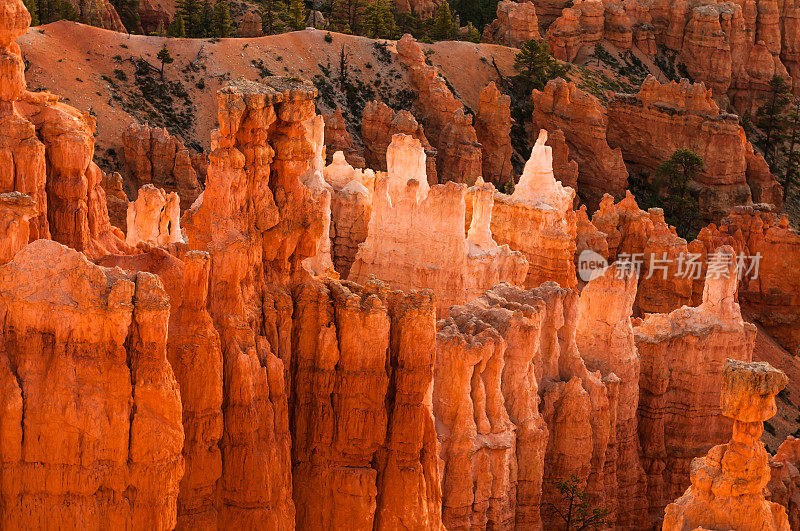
pixel 516 24
pixel 16 210
pixel 380 124
pixel 106 418
pixel 682 358
pixel 784 483
pixel 100 13
pixel 351 209
pixel 771 296
pixel 661 119
pixel 652 246
pixel 448 127
pixel 250 26
pixel 337 138
pixel 727 490
pixel 152 156
pixel 493 128
pixel 581 117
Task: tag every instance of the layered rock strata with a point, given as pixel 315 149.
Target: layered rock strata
pixel 661 119
pixel 448 127
pixel 581 117
pixel 493 127
pixel 150 155
pixel 727 490
pixel 416 234
pixel 516 24
pixel 682 357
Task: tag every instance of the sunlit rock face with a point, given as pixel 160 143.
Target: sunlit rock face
pixel 537 220
pixel 682 358
pixel 416 236
pixel 105 414
pixel 154 217
pixel 727 490
pixel 47 149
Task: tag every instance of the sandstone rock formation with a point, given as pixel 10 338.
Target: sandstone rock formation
pixel 378 127
pixel 564 168
pixel 116 200
pixel 784 483
pixel 250 25
pixel 374 467
pixel 447 126
pixel 605 341
pixel 682 355
pixel 337 138
pixel 516 24
pixel 100 13
pixel 104 419
pixel 661 119
pixel 154 217
pixel 728 483
pixel 416 234
pixel 493 128
pixel 537 220
pixel 16 210
pixel 648 243
pixel 258 222
pixel 562 105
pixel 193 351
pixel 152 156
pixel 351 209
pixel 771 282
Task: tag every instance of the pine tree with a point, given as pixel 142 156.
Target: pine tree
pixel 347 16
pixel 32 9
pixel 205 23
pixel 297 14
pixel 671 186
pixel 222 19
pixel 192 17
pixel 790 151
pixel 443 27
pixel 177 28
pixel 535 66
pixel 165 58
pixel 379 20
pixel 769 119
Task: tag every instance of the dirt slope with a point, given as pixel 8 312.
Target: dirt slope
pixel 115 76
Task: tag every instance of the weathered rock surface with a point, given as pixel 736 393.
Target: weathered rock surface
pixel 682 355
pixel 416 234
pixel 152 156
pixel 771 281
pixel 380 124
pixel 154 217
pixel 516 24
pixel 337 138
pixel 537 220
pixel 104 418
pixel 728 483
pixel 16 210
pixel 493 128
pixel 661 119
pixel 351 209
pixel 447 126
pixel 562 105
pixel 250 25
